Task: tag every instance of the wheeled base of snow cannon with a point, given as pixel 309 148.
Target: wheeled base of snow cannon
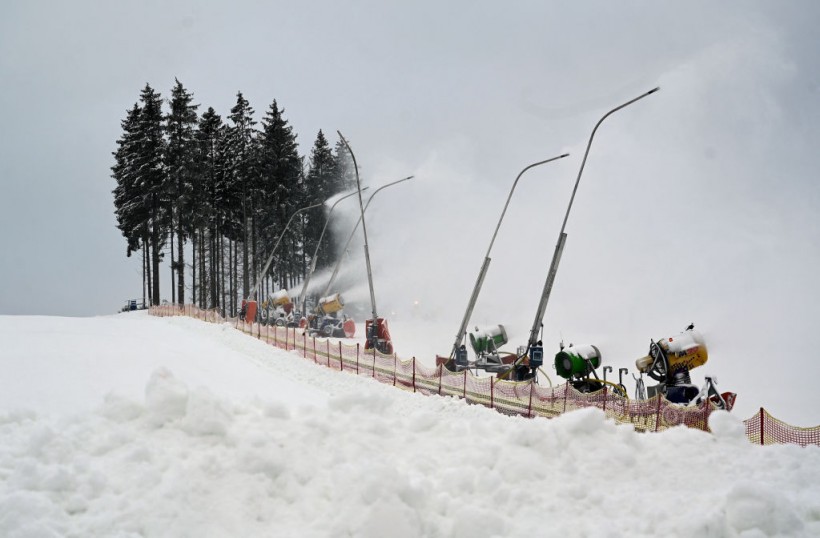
pixel 329 319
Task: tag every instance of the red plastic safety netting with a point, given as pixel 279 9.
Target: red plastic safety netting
pixel 508 397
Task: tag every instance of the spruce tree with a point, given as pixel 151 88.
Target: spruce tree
pixel 151 177
pixel 179 159
pixel 281 174
pixel 129 202
pixel 208 171
pixel 320 185
pixel 344 174
pixel 243 171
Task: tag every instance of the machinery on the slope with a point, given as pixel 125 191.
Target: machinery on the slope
pixel 486 344
pixel 578 364
pixel 329 320
pixel 669 362
pixel 278 309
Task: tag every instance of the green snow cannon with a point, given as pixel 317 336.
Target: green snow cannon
pixel 488 340
pixel 577 361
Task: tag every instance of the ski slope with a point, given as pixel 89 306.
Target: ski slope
pixel 131 425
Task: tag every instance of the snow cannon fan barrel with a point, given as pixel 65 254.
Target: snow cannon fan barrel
pixel 488 340
pixel 331 303
pixel 577 361
pixel 280 298
pixel 685 351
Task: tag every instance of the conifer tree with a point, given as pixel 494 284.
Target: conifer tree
pixel 281 173
pixel 179 160
pixel 209 214
pixel 129 202
pixel 320 184
pixel 243 171
pixel 151 177
pixel 344 174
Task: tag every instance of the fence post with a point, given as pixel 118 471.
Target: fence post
pixel 374 361
pixel 440 368
pixel 529 406
pixel 492 404
pixel 414 374
pixel 357 358
pixel 761 426
pixel 395 366
pixel 341 358
pixel 658 413
pixel 304 343
pixel 464 387
pixel 566 392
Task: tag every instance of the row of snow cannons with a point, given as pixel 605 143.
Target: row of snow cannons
pixel 326 319
pixel 515 398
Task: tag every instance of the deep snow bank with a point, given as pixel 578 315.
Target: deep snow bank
pixel 332 454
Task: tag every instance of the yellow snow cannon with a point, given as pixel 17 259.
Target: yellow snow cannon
pixel 331 304
pixel 669 362
pixel 280 298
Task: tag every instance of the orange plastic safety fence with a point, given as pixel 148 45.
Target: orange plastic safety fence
pixel 508 397
pixel 764 429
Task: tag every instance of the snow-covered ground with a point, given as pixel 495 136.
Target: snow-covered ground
pixel 131 425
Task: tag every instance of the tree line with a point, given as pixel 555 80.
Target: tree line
pixel 223 190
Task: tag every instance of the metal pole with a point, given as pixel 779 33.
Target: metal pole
pixel 353 232
pixel 486 264
pixel 316 252
pixel 562 237
pixel 364 229
pixel 270 258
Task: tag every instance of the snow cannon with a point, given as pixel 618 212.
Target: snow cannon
pixel 669 362
pixel 248 311
pixel 378 336
pixel 280 298
pixel 577 365
pixel 577 361
pixel 488 340
pixel 331 304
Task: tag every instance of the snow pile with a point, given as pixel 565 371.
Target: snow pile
pixel 332 454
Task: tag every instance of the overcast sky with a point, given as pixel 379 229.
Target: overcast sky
pixel 698 203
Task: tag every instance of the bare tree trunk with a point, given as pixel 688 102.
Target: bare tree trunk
pixel 194 244
pixel 180 262
pixel 173 266
pixel 146 272
pixel 222 273
pixel 155 254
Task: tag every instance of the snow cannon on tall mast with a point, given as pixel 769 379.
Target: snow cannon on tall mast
pixel 376 332
pixel 486 359
pixel 524 366
pixel 306 283
pixel 669 362
pixel 248 312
